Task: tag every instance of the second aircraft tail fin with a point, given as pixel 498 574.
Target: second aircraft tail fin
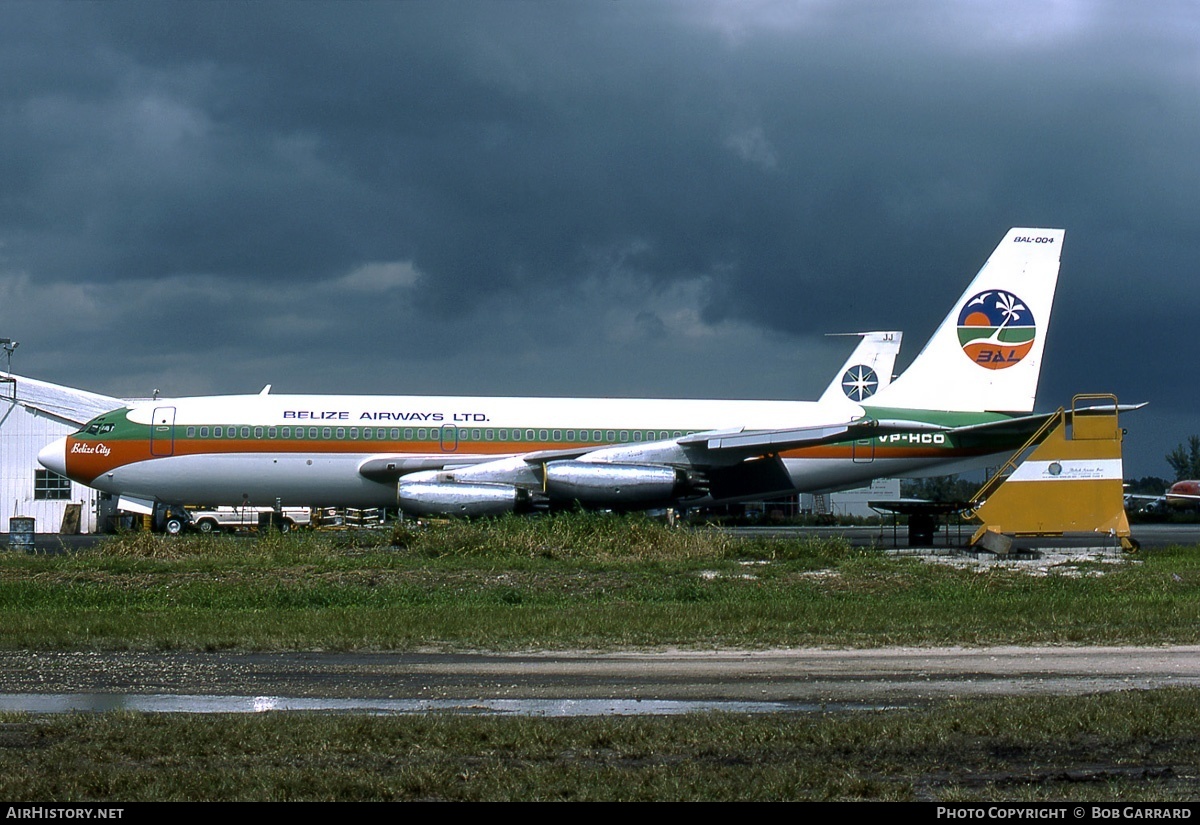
pixel 868 369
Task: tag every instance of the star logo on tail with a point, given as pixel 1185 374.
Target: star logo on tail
pixel 859 382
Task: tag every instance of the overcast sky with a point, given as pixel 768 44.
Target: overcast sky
pixel 617 197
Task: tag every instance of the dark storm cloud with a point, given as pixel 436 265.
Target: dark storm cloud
pixel 600 197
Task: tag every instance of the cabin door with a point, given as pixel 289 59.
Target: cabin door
pixel 162 431
pixel 863 450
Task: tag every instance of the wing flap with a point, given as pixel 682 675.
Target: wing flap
pixel 390 467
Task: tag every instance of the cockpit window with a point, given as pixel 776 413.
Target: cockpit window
pixel 99 427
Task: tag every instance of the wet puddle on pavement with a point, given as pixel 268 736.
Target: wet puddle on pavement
pixel 172 703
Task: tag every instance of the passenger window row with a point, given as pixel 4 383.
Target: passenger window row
pixel 432 434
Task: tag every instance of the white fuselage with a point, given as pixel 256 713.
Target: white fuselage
pixel 313 449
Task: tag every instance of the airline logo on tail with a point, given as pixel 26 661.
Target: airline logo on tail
pixel 996 329
pixel 859 382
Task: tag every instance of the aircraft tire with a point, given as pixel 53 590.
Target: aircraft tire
pixel 173 526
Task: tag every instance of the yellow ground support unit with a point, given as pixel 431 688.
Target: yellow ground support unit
pixel 1071 482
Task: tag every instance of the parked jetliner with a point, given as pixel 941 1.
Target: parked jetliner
pixel 867 370
pixel 1182 495
pixel 965 399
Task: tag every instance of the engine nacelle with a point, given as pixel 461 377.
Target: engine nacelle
pixel 615 485
pixel 432 498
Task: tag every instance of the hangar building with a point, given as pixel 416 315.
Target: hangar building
pixel 33 414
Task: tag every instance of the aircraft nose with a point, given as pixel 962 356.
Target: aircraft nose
pixel 54 456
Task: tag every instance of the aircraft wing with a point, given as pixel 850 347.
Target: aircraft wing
pixel 1145 497
pixel 1185 496
pixel 724 463
pixel 699 451
pixel 617 476
pixel 722 447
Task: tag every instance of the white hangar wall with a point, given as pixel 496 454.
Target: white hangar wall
pixel 33 414
pixel 22 436
pixel 854 502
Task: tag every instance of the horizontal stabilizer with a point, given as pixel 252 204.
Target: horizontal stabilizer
pixel 1008 426
pixel 760 442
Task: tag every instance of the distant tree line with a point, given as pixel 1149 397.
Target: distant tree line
pixel 1185 461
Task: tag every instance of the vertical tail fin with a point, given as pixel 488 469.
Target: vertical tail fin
pixel 987 353
pixel 868 369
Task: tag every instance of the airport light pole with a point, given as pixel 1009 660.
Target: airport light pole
pixel 9 346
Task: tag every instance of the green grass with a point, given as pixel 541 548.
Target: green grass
pixel 589 581
pixel 579 580
pixel 1129 746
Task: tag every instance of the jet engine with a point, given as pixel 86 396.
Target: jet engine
pixel 597 484
pixel 470 500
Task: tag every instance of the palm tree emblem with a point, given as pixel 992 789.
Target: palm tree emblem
pixel 996 329
pixel 1010 307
